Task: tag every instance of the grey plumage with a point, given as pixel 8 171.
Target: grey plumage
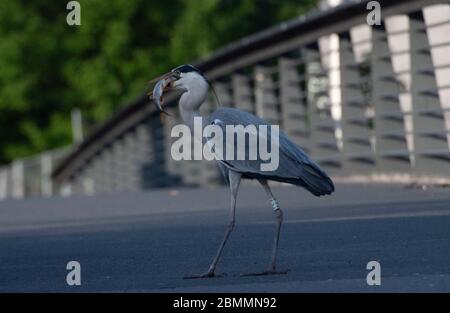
pixel 295 167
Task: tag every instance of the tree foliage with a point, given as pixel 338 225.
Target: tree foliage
pixel 47 67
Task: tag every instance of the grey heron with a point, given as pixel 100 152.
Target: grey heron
pixel 295 167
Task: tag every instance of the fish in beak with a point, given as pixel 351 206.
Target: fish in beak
pixel 163 85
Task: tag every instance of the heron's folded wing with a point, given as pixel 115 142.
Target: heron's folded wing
pixel 294 165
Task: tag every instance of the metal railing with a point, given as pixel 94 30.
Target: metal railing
pixel 31 176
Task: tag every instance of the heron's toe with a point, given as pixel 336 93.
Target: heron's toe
pixel 204 275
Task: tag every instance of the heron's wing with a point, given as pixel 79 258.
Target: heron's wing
pixel 294 165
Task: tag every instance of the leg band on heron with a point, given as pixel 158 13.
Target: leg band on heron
pixel 275 204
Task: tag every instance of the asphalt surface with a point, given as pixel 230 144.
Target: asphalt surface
pixel 148 241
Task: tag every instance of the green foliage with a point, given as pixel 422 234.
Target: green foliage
pixel 47 67
pixel 206 25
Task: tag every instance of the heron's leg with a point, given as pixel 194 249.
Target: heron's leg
pixel 279 220
pixel 235 180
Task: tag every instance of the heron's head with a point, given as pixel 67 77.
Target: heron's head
pixel 190 83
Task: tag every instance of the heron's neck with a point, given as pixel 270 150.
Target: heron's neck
pixel 189 105
pixel 188 116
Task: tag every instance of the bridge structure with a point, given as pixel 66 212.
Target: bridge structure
pixel 360 99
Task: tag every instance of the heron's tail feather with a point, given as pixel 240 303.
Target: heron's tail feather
pixel 316 180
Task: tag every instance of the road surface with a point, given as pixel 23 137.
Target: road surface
pixel 147 241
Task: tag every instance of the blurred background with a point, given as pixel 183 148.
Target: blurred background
pixel 68 94
pixel 48 68
pixel 57 82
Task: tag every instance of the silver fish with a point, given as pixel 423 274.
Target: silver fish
pixel 158 92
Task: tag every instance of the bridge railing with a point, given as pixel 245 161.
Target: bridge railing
pixel 31 176
pixel 359 99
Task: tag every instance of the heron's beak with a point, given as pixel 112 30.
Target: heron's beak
pixel 163 76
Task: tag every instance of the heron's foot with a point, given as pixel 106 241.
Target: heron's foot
pixel 209 274
pixel 267 272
